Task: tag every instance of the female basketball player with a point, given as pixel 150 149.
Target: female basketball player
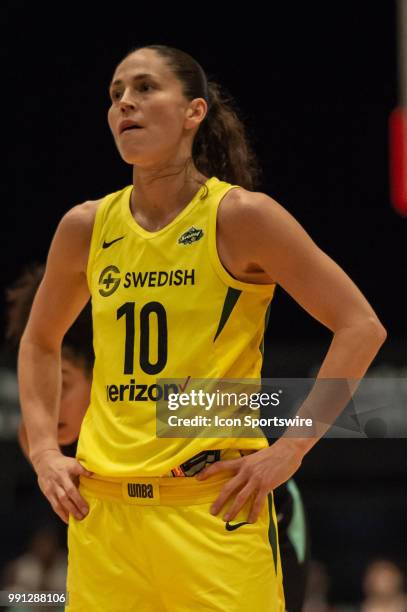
pixel 181 266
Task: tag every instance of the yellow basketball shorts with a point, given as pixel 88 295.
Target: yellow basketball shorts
pixel 152 545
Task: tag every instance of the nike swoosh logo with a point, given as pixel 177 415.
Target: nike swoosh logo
pixel 230 527
pixel 106 245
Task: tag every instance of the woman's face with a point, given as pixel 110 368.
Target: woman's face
pixel 156 102
pixel 75 396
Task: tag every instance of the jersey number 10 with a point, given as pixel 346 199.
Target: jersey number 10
pixel 127 310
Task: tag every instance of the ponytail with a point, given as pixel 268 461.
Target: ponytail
pixel 221 146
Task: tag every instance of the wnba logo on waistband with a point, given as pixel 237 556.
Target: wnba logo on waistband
pixel 140 490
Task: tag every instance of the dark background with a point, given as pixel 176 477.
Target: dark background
pixel 315 85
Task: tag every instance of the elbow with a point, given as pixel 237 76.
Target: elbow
pixel 383 334
pixel 374 330
pixel 380 331
pixel 368 330
pixel 39 342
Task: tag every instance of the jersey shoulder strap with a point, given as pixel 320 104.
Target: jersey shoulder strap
pixel 100 218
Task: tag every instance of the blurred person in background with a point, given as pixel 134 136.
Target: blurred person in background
pixel 318 582
pixel 76 360
pixel 42 567
pixel 383 586
pixel 76 365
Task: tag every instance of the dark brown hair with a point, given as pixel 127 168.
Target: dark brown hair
pixel 77 340
pixel 221 147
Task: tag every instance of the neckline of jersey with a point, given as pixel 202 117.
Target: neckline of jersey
pixel 131 221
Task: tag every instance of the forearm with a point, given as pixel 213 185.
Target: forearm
pixel 23 440
pixel 39 374
pixel 350 354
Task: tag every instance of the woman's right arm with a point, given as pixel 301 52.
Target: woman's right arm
pixel 61 296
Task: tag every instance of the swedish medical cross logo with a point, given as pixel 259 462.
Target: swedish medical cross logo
pixel 109 280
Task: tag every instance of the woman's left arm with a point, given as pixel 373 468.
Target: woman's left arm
pixel 257 225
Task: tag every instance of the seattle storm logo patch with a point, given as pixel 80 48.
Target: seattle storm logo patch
pixel 109 281
pixel 190 236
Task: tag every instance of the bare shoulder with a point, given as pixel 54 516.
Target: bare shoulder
pixel 260 216
pixel 244 222
pixel 81 217
pixel 245 217
pixel 242 207
pixel 256 233
pixel 73 235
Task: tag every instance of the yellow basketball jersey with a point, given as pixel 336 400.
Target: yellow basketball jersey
pixel 163 307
